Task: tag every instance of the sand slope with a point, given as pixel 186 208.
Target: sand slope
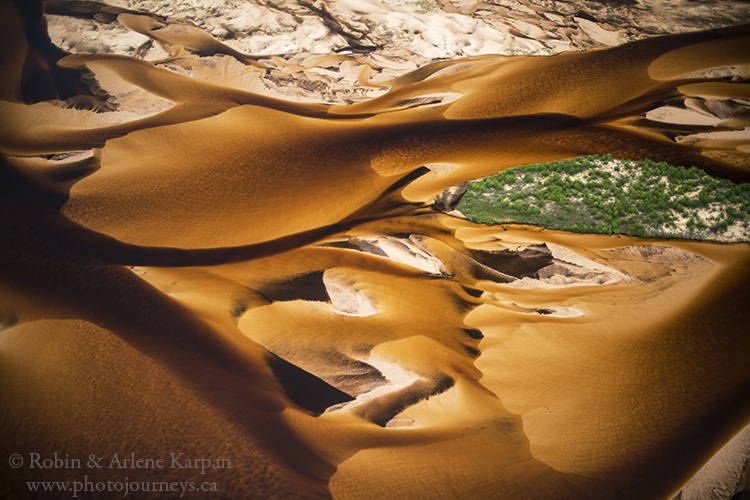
pixel 226 273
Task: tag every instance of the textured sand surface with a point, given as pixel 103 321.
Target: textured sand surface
pixel 212 266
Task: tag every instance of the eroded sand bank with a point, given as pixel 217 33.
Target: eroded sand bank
pixel 232 274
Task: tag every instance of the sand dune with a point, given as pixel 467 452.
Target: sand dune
pixel 191 264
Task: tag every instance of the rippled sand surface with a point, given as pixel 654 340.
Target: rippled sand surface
pixel 236 275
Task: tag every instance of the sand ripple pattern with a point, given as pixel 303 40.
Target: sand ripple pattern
pixel 205 268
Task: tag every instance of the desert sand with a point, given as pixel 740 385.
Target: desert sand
pixel 233 254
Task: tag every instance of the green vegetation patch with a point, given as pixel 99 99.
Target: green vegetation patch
pixel 594 194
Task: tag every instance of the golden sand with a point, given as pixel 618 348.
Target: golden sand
pixel 219 273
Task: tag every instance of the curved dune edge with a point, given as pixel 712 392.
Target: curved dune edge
pixel 538 366
pixel 247 277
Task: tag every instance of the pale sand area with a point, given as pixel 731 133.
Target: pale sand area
pixel 264 279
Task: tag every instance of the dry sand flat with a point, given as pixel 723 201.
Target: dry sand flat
pixel 227 273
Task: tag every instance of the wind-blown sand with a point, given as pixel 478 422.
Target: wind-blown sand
pixel 228 272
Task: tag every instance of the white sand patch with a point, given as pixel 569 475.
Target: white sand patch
pixel 670 114
pixel 78 36
pixel 437 98
pixel 441 168
pixel 563 276
pixel 396 377
pixel 71 157
pixel 530 30
pixel 726 473
pixel 717 139
pixel 561 253
pixel 397 35
pixel 597 33
pixel 437 30
pixel 552 311
pixel 409 252
pixel 569 269
pixel 421 27
pixel 345 297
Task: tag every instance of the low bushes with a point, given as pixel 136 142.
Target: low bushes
pixel 595 194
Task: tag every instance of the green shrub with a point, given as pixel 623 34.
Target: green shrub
pixel 636 198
